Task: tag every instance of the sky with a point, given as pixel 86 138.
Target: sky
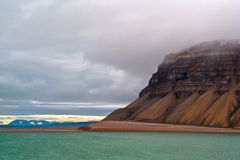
pixel 97 53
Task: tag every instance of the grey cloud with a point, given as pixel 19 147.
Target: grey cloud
pixel 99 50
pixel 61 77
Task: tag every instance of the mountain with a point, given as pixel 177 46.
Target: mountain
pixel 43 123
pixel 196 86
pixel 29 123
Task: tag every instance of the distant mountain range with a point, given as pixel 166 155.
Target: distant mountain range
pixel 44 123
pixel 196 86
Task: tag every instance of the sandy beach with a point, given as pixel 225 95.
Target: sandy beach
pixel 154 127
pixel 117 126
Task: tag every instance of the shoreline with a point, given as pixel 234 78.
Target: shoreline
pixel 127 126
pixel 123 126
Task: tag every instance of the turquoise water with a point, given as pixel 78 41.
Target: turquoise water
pixel 119 146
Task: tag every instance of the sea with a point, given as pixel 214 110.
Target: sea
pixel 119 146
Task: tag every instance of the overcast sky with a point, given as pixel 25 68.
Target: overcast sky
pixel 99 51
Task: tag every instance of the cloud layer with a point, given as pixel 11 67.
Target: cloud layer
pixel 99 51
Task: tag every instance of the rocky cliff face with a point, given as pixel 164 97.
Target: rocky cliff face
pixel 197 86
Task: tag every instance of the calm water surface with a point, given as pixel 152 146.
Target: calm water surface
pixel 119 146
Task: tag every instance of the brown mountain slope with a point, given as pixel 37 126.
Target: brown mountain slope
pixel 235 119
pixel 138 102
pixel 193 114
pixel 220 113
pixel 176 114
pixel 157 110
pixel 146 104
pixel 124 113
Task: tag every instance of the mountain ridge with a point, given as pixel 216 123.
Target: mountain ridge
pixel 191 87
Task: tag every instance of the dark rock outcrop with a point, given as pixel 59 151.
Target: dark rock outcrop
pixel 196 86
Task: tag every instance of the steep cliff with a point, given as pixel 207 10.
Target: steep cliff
pixel 196 86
